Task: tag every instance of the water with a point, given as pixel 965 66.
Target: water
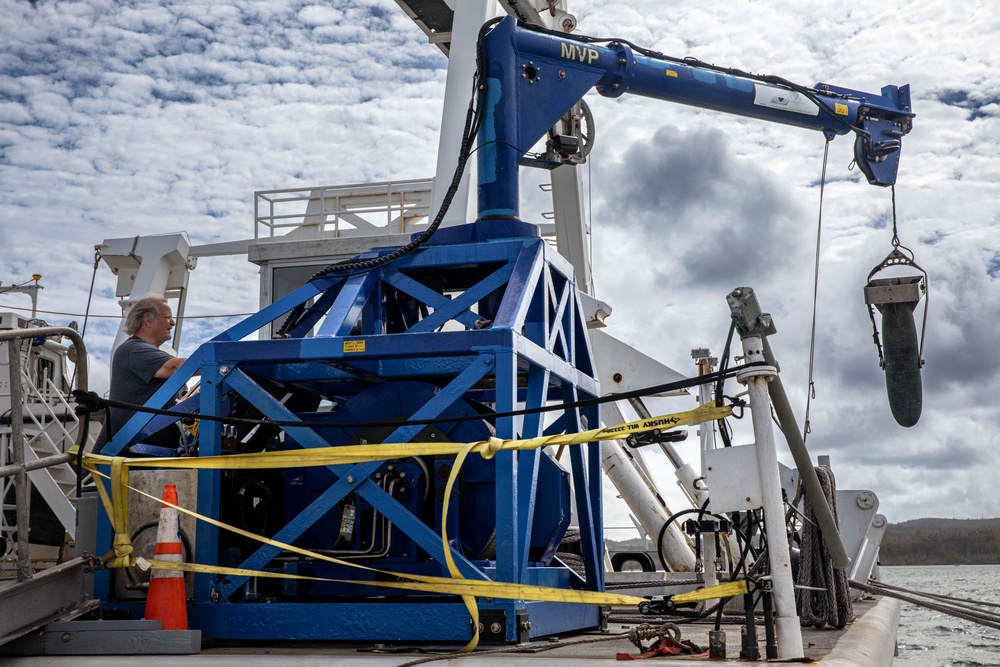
pixel 931 639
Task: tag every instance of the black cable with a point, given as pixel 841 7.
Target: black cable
pixel 5 290
pixel 90 402
pixel 719 606
pixel 724 361
pixel 473 121
pixel 666 524
pixel 718 616
pixel 84 434
pixel 720 383
pixel 90 294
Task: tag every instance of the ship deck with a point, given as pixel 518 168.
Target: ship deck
pixel 869 641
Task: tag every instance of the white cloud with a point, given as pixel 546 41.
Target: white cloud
pixel 121 120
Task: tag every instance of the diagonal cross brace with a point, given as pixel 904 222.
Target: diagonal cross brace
pixel 426 538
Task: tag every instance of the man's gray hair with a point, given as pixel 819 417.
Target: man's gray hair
pixel 147 305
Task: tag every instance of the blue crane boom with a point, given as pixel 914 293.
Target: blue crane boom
pixel 534 77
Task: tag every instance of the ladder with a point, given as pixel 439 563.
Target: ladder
pixel 49 427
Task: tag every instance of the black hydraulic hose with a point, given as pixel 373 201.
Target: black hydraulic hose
pixel 673 517
pixel 84 434
pixel 724 362
pixel 473 121
pixel 720 382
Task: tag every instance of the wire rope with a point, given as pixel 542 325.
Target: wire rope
pixel 811 387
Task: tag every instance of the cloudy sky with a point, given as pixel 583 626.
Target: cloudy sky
pixel 118 119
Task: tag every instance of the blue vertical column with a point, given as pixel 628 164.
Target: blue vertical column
pixel 581 463
pixel 209 481
pixel 499 153
pixel 596 474
pixel 508 502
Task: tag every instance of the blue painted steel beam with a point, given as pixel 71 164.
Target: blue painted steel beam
pixel 509 503
pixel 527 272
pixel 273 311
pixel 533 78
pixel 375 347
pixel 459 307
pixel 527 479
pixel 385 620
pixel 588 495
pixel 347 307
pixel 465 254
pixel 212 393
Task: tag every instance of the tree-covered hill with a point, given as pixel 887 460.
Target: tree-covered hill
pixel 941 542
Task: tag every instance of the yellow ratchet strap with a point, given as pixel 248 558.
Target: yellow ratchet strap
pixel 416 582
pixel 122 554
pixel 729 589
pixel 304 458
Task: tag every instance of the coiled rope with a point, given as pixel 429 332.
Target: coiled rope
pixel 824 596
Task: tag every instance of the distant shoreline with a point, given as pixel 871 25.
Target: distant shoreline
pixel 941 542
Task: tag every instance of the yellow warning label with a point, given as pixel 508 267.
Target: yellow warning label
pixel 671 72
pixel 840 109
pixel 354 346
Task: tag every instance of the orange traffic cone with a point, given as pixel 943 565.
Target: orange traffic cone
pixel 166 600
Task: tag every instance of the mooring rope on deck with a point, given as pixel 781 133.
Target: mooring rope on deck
pixel 823 596
pixel 957 607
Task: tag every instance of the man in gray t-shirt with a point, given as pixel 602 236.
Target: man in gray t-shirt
pixel 139 367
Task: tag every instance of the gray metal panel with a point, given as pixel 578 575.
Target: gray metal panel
pixel 40 598
pixel 95 626
pixel 733 482
pixel 94 638
pixel 145 512
pixel 433 17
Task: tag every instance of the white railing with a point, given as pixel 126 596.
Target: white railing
pixel 344 210
pixel 13 440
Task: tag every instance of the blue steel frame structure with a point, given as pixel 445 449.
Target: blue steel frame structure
pixel 535 350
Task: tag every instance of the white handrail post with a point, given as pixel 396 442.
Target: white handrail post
pixel 21 494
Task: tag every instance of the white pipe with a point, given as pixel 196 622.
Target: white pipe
pixel 787 628
pixel 469 17
pixel 646 504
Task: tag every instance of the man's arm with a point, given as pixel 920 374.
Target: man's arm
pixel 169 367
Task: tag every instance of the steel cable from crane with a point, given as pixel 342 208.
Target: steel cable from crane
pixel 811 386
pixel 900 256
